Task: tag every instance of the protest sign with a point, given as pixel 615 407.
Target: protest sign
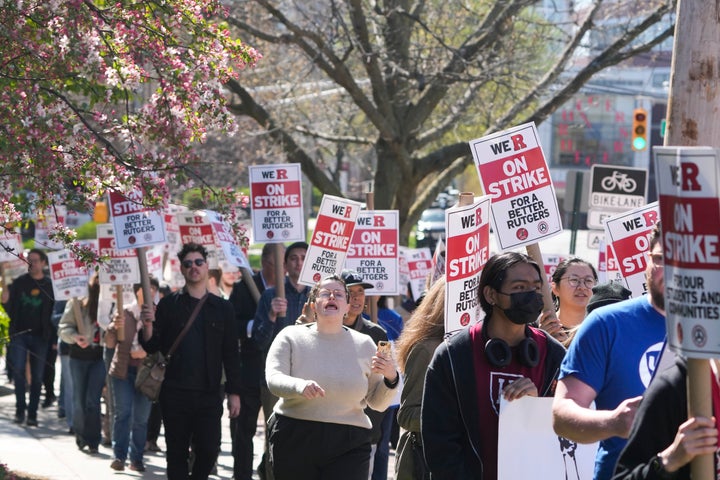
pixel 688 188
pixel 419 264
pixel 468 249
pixel 330 240
pixel 121 266
pixel 607 266
pixel 195 227
pixel 11 246
pixel 628 235
pixel 551 261
pixel 45 223
pixel 373 251
pixel 276 199
pixel 154 256
pixel 172 228
pixel 232 253
pixel 525 425
pixel 68 274
pixel 514 173
pixel 134 224
pixel 108 300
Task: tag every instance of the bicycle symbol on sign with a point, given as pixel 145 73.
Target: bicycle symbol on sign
pixel 620 181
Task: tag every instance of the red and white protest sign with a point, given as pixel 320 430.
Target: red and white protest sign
pixel 122 264
pixel 11 246
pixel 468 249
pixel 45 223
pixel 135 225
pixel 330 240
pixel 551 261
pixel 225 236
pixel 172 228
pixel 607 266
pixel 373 251
pixel 628 235
pixel 419 264
pixel 276 199
pixel 68 274
pixel 195 227
pixel 514 173
pixel 688 185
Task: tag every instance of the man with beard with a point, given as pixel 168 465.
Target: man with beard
pixel 611 362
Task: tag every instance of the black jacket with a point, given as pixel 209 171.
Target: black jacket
pixel 662 410
pixel 251 356
pixel 220 347
pixel 449 418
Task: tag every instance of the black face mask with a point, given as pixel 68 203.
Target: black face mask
pixel 525 307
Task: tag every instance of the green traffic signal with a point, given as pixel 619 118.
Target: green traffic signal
pixel 639 143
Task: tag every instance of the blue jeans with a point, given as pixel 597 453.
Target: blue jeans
pixel 37 346
pixel 65 401
pixel 88 381
pixel 382 454
pixel 132 409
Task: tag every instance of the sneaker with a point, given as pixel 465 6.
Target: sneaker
pixel 137 466
pixel 118 465
pixel 31 422
pixel 92 450
pixel 49 401
pixel 19 418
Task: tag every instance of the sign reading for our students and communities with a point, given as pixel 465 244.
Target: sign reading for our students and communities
pixel 122 265
pixel 514 173
pixel 688 184
pixel 330 240
pixel 68 274
pixel 228 242
pixel 468 249
pixel 628 235
pixel 276 199
pixel 373 251
pixel 134 224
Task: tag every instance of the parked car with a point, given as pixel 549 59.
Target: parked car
pixel 430 228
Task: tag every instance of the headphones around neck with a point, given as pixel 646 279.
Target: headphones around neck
pixel 499 353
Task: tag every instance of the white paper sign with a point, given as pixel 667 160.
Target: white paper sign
pixel 224 234
pixel 330 240
pixel 134 224
pixel 373 251
pixel 688 181
pixel 468 249
pixel 11 246
pixel 419 262
pixel 514 173
pixel 68 274
pixel 276 199
pixel 45 223
pixel 122 265
pixel 195 227
pixel 525 425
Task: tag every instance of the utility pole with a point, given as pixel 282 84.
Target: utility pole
pixel 693 119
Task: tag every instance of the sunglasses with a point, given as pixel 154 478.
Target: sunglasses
pixel 199 262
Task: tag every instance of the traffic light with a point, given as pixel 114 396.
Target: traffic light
pixel 640 129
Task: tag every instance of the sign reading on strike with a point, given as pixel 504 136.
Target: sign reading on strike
pixel 135 225
pixel 330 240
pixel 195 227
pixel 514 173
pixel 122 265
pixel 226 237
pixel 688 188
pixel 468 249
pixel 68 274
pixel 276 196
pixel 419 265
pixel 373 251
pixel 628 234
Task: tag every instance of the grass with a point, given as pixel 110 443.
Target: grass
pixel 6 474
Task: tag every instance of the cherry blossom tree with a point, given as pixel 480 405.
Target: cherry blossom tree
pixel 100 95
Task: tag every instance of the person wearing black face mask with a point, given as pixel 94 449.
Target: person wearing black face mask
pixel 500 356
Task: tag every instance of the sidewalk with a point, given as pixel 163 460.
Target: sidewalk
pixel 49 452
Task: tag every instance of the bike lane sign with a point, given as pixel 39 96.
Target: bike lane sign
pixel 615 189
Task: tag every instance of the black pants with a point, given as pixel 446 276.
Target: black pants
pixel 305 450
pixel 191 417
pixel 243 430
pixel 154 423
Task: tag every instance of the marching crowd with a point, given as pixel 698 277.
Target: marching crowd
pixel 334 386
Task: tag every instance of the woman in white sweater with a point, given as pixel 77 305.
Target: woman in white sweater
pixel 325 374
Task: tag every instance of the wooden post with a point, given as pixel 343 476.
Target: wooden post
pixel 372 299
pixel 144 276
pixel 533 250
pixel 247 277
pixel 692 120
pixel 280 274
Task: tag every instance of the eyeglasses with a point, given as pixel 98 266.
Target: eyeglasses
pixel 325 294
pixel 199 262
pixel 574 282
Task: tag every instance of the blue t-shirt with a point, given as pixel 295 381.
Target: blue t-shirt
pixel 615 352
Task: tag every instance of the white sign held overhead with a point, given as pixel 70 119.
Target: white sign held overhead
pixel 195 228
pixel 276 199
pixel 514 173
pixel 330 240
pixel 68 274
pixel 373 251
pixel 122 264
pixel 134 224
pixel 226 237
